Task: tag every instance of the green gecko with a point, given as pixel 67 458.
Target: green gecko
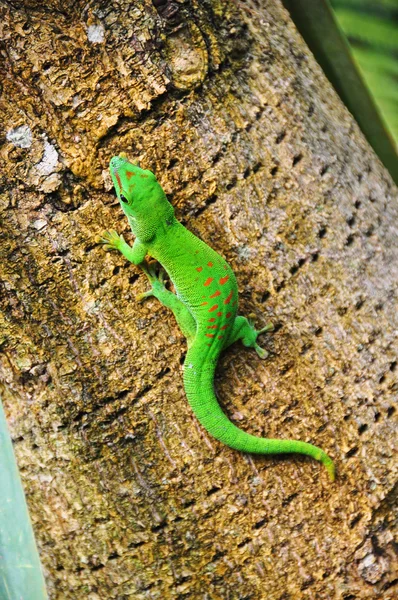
pixel 205 304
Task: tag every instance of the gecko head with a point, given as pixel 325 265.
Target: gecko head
pixel 141 196
pixel 133 185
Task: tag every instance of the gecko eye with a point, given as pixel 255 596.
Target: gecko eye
pixel 123 198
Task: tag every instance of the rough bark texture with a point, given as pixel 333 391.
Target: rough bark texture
pixel 128 495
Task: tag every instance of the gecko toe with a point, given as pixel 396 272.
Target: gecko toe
pixel 261 352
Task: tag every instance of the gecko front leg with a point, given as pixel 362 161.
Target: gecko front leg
pixel 113 241
pixel 136 254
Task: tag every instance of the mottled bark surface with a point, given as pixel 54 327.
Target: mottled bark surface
pixel 129 496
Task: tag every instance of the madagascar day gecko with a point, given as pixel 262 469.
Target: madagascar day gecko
pixel 205 303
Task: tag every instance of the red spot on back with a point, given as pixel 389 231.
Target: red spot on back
pixel 219 314
pixel 209 334
pixel 212 326
pixel 224 327
pixel 224 279
pixel 228 315
pixel 214 307
pixel 211 320
pixel 220 337
pixel 199 269
pixel 204 303
pixel 129 174
pixel 228 299
pixel 209 264
pixel 217 293
pixel 208 281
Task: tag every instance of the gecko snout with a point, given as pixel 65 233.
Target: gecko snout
pixel 117 161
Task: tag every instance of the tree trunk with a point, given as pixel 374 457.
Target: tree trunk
pixel 129 496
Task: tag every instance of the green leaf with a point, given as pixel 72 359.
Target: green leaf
pixel 20 569
pixel 319 27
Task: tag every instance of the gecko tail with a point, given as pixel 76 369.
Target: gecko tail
pixel 198 382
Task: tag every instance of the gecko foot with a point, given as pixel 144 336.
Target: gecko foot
pixel 111 240
pixel 260 351
pixel 249 334
pixel 267 327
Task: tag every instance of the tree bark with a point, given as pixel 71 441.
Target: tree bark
pixel 128 495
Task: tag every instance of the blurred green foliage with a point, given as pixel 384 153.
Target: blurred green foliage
pixel 371 27
pixel 21 577
pixel 375 37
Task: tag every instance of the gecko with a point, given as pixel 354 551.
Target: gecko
pixel 205 302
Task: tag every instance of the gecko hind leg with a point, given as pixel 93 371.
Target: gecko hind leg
pixel 245 331
pixel 184 319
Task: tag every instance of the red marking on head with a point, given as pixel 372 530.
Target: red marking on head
pixel 220 337
pixel 214 307
pixel 228 299
pixel 144 176
pixel 219 314
pixel 224 327
pixel 224 279
pixel 204 303
pixel 212 326
pixel 217 293
pixel 228 315
pixel 129 174
pixel 199 269
pixel 118 180
pixel 196 251
pixel 208 345
pixel 208 281
pixel 209 334
pixel 211 320
pixel 209 264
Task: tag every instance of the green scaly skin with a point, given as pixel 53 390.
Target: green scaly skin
pixel 205 303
